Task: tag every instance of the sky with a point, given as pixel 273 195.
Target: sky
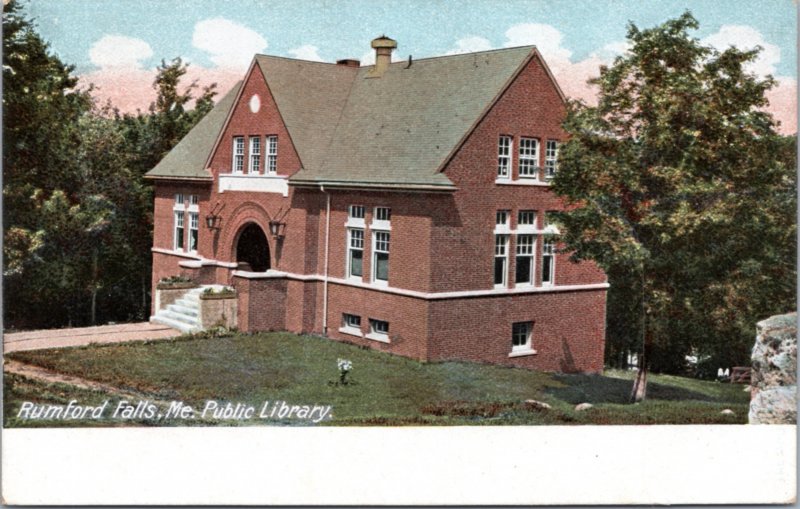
pixel 117 44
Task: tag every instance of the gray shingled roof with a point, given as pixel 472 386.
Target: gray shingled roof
pixel 395 131
pixel 399 129
pixel 187 160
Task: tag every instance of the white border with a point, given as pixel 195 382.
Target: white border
pixel 372 465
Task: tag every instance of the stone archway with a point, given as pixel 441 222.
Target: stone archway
pixel 252 249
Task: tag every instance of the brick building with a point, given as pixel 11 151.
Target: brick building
pixel 402 206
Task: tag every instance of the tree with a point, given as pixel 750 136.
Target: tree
pixel 78 220
pixel 678 186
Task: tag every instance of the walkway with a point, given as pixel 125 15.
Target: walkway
pixel 59 338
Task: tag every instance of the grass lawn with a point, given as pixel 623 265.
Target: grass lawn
pixel 386 390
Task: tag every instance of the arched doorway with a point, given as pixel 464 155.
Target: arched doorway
pixel 252 249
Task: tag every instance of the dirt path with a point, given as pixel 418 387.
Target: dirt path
pixel 81 336
pixel 45 375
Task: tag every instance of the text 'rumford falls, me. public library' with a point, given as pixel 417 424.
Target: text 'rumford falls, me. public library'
pixel 147 410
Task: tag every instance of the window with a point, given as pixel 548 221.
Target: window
pixel 529 157
pixel 525 250
pixel 548 261
pixel 355 253
pixel 526 220
pixel 521 333
pixel 378 330
pixel 255 155
pixel 504 157
pixel 380 260
pixel 238 154
pixel 550 159
pixel 272 155
pixel 179 200
pixel 179 230
pixel 351 324
pixel 194 199
pixel 383 213
pixel 356 212
pixel 501 220
pixel 500 259
pixel 194 223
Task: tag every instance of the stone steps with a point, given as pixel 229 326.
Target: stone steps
pixel 184 314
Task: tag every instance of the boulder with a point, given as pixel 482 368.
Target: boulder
pixel 727 411
pixel 583 406
pixel 773 382
pixel 532 404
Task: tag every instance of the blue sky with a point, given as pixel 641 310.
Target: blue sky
pixel 116 44
pixel 341 29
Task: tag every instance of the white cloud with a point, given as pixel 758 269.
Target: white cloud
pixel 306 52
pixel 546 38
pixel 746 37
pixel 470 45
pixel 229 44
pixel 118 51
pixel 611 50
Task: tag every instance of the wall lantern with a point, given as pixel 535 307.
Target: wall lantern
pixel 213 218
pixel 212 221
pixel 276 228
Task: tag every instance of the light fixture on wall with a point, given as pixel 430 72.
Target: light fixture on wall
pixel 213 218
pixel 276 228
pixel 212 222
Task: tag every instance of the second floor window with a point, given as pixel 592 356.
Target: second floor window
pixel 238 154
pixel 550 159
pixel 272 155
pixel 526 219
pixel 504 157
pixel 529 157
pixel 380 262
pixel 355 253
pixel 255 155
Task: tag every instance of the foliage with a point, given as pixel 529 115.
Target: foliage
pixel 77 212
pixel 175 279
pixel 225 290
pixel 681 190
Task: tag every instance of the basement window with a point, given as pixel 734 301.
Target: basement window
pixel 351 324
pixel 521 339
pixel 378 330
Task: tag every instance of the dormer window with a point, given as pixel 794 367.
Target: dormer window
pixel 238 154
pixel 529 158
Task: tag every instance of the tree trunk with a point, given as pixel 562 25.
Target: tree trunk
pixel 94 287
pixel 640 384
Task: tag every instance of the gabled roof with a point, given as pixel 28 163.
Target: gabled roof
pixel 398 130
pixel 392 132
pixel 187 160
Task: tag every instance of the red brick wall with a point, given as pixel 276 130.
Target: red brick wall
pixel 530 107
pixel 568 331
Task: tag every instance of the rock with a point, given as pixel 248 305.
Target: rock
pixel 583 406
pixel 773 394
pixel 532 404
pixel 727 411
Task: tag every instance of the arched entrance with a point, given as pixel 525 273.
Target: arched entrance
pixel 252 249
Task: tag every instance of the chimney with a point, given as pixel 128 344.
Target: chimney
pixel 349 62
pixel 383 55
